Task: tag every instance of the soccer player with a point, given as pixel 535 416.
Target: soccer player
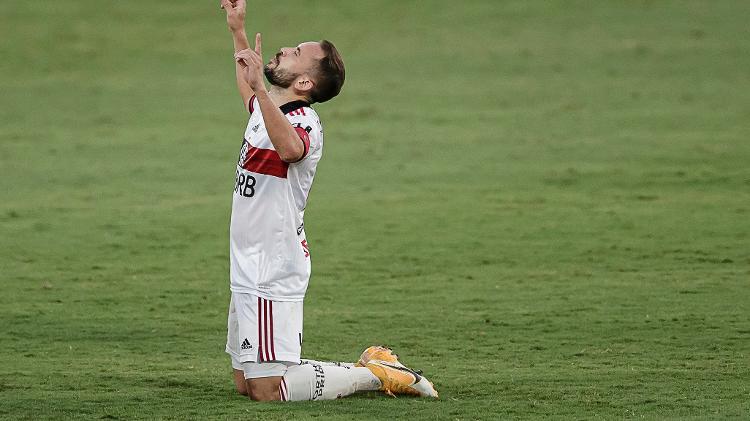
pixel 269 255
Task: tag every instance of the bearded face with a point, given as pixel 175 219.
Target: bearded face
pixel 278 77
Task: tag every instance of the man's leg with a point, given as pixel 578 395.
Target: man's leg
pixel 264 389
pixel 263 334
pixel 306 382
pixel 310 381
pixel 263 380
pixel 239 381
pixel 378 368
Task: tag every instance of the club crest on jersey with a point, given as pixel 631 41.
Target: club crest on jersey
pixel 243 152
pixel 308 129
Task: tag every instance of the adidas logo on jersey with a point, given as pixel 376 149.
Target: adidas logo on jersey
pixel 246 344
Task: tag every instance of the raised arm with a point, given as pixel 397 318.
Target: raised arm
pixel 236 22
pixel 288 142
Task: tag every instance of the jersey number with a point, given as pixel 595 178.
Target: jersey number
pixel 244 185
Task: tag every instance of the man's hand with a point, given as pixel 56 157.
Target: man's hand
pixel 235 14
pixel 252 63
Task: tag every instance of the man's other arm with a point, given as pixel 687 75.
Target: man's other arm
pixel 236 23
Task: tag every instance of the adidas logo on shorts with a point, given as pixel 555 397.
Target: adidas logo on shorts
pixel 246 344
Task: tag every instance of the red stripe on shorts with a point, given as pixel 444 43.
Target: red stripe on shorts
pixel 273 351
pixel 266 333
pixel 260 337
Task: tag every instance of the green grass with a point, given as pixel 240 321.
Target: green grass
pixel 544 205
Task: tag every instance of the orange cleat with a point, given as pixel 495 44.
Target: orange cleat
pixel 399 379
pixel 376 352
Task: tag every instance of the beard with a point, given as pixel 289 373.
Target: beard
pixel 279 77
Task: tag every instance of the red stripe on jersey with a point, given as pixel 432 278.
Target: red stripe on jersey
pixel 260 337
pixel 250 104
pixel 298 111
pixel 265 161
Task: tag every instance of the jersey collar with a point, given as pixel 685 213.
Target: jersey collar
pixel 294 105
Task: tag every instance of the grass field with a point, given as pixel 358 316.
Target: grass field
pixel 545 205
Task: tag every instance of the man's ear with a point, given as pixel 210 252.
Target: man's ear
pixel 304 85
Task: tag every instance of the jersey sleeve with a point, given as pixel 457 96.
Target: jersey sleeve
pixel 252 104
pixel 309 130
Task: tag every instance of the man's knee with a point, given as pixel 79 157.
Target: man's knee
pixel 242 390
pixel 239 382
pixel 264 389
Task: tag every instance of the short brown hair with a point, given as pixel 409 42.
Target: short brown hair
pixel 330 74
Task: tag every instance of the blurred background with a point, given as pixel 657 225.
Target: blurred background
pixel 543 204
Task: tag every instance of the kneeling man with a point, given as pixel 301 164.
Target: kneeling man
pixel 269 254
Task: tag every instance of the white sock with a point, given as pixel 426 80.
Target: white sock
pixel 327 363
pixel 307 382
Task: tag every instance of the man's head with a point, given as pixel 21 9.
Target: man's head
pixel 314 70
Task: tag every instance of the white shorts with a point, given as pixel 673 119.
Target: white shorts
pixel 265 332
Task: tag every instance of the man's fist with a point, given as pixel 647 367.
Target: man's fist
pixel 235 13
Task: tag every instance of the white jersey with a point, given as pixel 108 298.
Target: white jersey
pixel 268 251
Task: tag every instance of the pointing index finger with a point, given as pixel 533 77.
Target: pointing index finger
pixel 258 45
